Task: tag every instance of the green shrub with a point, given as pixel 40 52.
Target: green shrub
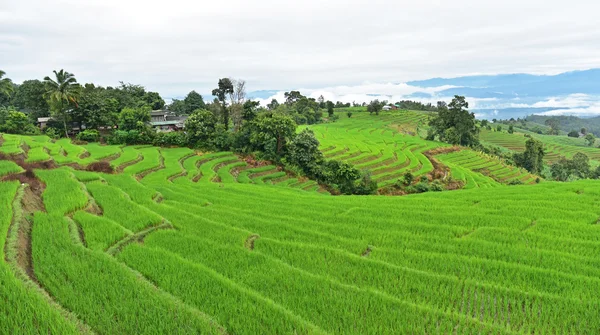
pixel 436 186
pixel 131 137
pixel 170 139
pixel 52 133
pixel 89 135
pixel 422 187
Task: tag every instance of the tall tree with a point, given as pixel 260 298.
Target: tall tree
pixel 554 125
pixel 330 106
pixel 193 101
pixel 590 139
pixel 374 107
pixel 61 92
pixel 273 105
pixel 291 97
pixel 6 85
pixel 455 125
pixel 532 159
pixel 154 100
pixel 225 87
pixel 272 127
pixel 239 92
pixel 29 96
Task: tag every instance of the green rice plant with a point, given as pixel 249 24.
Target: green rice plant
pixel 86 176
pixel 151 159
pixel 117 206
pixel 8 167
pixel 23 309
pixel 63 194
pixel 100 233
pixel 11 145
pixel 128 154
pixel 107 296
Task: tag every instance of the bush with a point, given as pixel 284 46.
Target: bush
pixel 89 135
pixel 333 118
pixel 408 178
pixel 515 182
pixel 170 139
pixel 222 139
pixel 436 186
pixel 52 133
pixel 349 114
pixel 130 137
pixel 422 187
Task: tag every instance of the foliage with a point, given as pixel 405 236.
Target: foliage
pixel 303 151
pixel 224 88
pixel 532 159
pixel 193 101
pixel 52 133
pixel 6 86
pixel 153 100
pixel 62 93
pixel 375 107
pixel 455 125
pixel 200 128
pixel 14 122
pixel 554 125
pixel 89 135
pixel 169 139
pixel 29 96
pixel 130 137
pixel 270 131
pixel 590 139
pixel 134 119
pixel 573 133
pixel 576 168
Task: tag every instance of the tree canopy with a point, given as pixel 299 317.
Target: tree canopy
pixel 455 125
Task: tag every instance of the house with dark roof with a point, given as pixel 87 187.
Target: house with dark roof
pixel 166 121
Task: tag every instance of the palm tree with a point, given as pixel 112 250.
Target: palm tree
pixel 6 85
pixel 61 92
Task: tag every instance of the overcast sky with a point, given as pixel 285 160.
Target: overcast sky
pixel 175 46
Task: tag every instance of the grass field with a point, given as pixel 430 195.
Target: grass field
pixel 183 242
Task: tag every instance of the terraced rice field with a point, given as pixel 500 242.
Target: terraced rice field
pixel 373 143
pixel 479 170
pixel 556 147
pixel 184 243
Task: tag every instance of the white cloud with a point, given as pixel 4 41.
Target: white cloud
pixel 365 92
pixel 179 45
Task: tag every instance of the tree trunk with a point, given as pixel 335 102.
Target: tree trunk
pixel 65 124
pixel 64 120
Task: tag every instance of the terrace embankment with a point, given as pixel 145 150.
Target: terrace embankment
pixel 440 171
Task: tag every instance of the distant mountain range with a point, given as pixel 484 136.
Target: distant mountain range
pixel 500 96
pixel 518 85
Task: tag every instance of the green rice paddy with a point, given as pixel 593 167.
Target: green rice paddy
pixel 184 242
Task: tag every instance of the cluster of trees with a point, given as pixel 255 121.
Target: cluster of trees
pixel 70 103
pixel 569 123
pixel 576 168
pixel 532 159
pixel 454 124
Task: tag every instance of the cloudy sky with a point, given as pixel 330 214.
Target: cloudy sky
pixel 175 46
